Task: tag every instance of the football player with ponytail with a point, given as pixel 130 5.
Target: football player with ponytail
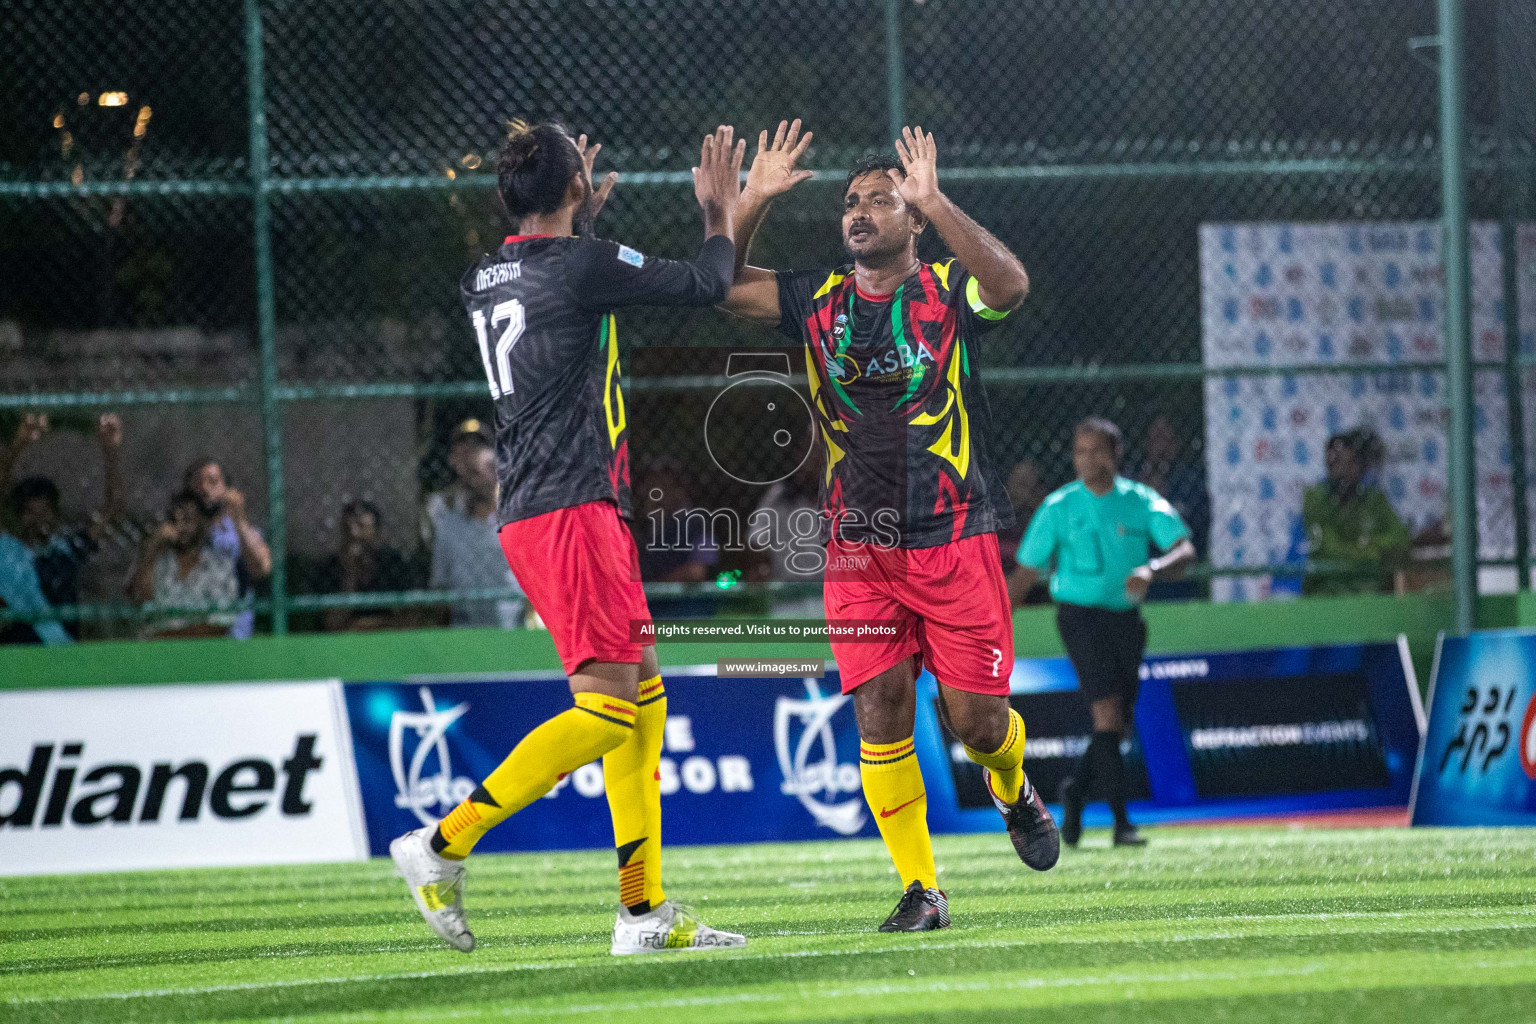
pixel 542 311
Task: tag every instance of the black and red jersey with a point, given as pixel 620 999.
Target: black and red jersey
pixel 899 404
pixel 542 312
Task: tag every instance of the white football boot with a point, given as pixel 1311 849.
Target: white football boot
pixel 668 927
pixel 437 886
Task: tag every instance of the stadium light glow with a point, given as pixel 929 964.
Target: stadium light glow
pixel 112 99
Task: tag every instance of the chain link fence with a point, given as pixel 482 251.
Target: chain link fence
pixel 295 318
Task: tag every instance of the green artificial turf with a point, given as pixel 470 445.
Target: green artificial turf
pixel 1205 925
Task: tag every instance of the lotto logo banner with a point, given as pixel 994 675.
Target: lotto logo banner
pixel 1478 766
pixel 743 760
pixel 176 776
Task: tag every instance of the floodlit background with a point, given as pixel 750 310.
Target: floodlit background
pixel 247 244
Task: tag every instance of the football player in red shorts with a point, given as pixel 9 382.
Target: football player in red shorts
pixel 541 307
pixel 911 504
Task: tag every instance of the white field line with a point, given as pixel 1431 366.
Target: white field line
pixel 638 963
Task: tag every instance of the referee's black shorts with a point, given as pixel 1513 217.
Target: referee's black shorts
pixel 1106 648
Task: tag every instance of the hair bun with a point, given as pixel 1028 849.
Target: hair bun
pixel 522 143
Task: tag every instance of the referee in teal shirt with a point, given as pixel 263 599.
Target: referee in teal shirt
pixel 1098 532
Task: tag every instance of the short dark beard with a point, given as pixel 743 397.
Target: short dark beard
pixel 882 259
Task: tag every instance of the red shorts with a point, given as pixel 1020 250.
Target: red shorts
pixel 580 570
pixel 950 604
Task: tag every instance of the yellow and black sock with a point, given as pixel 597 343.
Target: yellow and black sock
pixel 1006 763
pixel 596 725
pixel 893 786
pixel 634 799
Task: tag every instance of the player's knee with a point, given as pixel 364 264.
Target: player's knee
pixel 980 726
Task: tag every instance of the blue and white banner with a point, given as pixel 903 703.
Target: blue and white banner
pixel 753 760
pixel 1369 295
pixel 1216 735
pixel 744 760
pixel 1479 760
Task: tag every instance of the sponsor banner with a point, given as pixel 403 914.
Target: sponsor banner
pixel 176 776
pixel 1478 766
pixel 743 760
pixel 763 759
pixel 1216 735
pixel 1368 295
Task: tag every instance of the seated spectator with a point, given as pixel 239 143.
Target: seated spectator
pixel 180 565
pixel 1167 469
pixel 1355 540
pixel 468 438
pixel 674 541
pixel 233 534
pixel 786 528
pixel 466 553
pixel 57 551
pixel 1026 490
pixel 362 564
pixel 21 592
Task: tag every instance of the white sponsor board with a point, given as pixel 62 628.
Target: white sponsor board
pixel 1370 295
pixel 176 776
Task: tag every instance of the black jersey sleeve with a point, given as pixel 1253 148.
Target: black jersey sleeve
pixel 606 275
pixel 795 291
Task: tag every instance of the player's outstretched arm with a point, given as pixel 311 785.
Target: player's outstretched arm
pixel 609 276
pixel 1000 277
pixel 755 293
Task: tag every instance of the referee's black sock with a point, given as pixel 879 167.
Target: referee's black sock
pixel 1111 774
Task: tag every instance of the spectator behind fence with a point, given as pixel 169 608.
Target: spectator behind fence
pixel 363 565
pixel 232 534
pixel 786 528
pixel 182 565
pixel 1355 540
pixel 469 437
pixel 42 557
pixel 1168 470
pixel 1026 490
pixel 466 554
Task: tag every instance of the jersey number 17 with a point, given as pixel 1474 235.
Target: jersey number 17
pixel 498 364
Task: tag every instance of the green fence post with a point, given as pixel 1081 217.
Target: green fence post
pixel 1514 193
pixel 1514 399
pixel 1461 461
pixel 895 76
pixel 266 316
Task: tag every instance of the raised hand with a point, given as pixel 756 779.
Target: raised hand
pixel 773 168
pixel 109 431
pixel 30 430
pixel 588 158
pixel 920 157
pixel 717 178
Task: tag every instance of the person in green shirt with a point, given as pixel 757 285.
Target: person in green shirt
pixel 1094 537
pixel 1355 539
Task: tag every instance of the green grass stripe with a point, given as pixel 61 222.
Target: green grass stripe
pixel 1004 991
pixel 1013 903
pixel 529 972
pixel 341 941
